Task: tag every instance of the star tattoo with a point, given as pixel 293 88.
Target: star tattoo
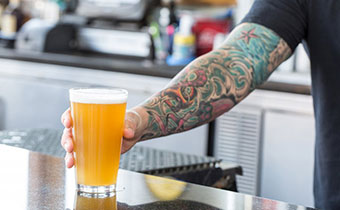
pixel 247 35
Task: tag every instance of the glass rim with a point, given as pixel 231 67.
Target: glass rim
pixel 98 95
pixel 97 88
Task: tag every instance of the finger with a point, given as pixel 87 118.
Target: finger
pixel 124 150
pixel 66 118
pixel 63 137
pixel 64 115
pixel 69 160
pixel 66 140
pixel 68 146
pixel 131 123
pixel 67 133
pixel 128 133
pixel 127 145
pixel 129 128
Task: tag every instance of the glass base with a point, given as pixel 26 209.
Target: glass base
pixel 96 189
pixel 93 195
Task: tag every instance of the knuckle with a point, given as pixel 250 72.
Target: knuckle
pixel 64 131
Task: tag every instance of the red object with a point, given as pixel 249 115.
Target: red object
pixel 205 31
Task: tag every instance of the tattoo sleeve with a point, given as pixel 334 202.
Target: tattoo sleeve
pixel 215 82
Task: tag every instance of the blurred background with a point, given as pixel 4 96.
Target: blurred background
pixel 49 46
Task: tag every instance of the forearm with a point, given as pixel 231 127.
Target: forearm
pixel 214 83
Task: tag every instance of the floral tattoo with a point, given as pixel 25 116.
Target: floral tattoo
pixel 215 82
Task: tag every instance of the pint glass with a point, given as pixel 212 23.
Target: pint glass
pixel 98 119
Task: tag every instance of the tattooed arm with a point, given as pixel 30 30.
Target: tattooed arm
pixel 210 85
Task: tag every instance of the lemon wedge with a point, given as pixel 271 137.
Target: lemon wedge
pixel 165 189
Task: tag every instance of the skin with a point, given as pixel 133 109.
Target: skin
pixel 205 89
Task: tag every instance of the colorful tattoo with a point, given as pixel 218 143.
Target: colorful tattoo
pixel 247 35
pixel 215 82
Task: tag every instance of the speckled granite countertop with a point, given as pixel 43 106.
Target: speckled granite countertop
pixel 31 180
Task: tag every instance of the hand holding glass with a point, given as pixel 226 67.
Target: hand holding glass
pixel 98 121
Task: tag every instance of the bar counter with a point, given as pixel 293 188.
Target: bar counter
pixel 131 66
pixel 30 180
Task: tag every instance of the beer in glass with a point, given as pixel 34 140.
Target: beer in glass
pixel 98 119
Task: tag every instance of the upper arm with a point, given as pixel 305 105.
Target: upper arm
pixel 268 35
pixel 287 18
pixel 255 50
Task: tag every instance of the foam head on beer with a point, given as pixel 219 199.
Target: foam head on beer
pixel 98 121
pixel 98 96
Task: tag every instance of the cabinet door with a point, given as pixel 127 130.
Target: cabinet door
pixel 27 103
pixel 238 137
pixel 275 147
pixel 288 157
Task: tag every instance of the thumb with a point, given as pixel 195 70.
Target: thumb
pixel 132 122
pixel 131 136
pixel 129 130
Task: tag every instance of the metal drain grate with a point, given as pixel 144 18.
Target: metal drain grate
pixel 46 141
pixel 152 161
pixel 140 159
